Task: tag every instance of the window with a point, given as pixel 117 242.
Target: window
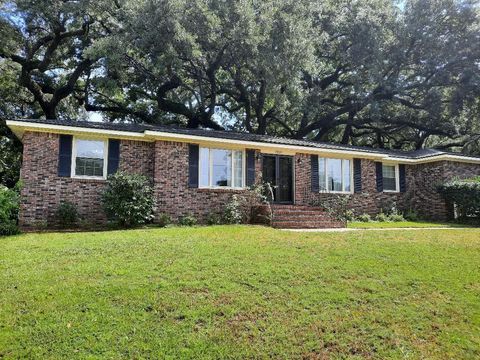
pixel 89 158
pixel 221 168
pixel 390 179
pixel 334 175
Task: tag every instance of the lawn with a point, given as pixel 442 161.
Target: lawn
pixel 241 292
pixel 401 224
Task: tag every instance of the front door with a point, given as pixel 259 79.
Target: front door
pixel 278 171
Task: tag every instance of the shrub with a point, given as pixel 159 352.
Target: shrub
pixel 214 219
pixel 381 217
pixel 164 220
pixel 9 206
pixel 388 206
pixel 257 207
pixel 66 215
pixel 233 213
pixel 364 218
pixel 337 206
pixel 350 215
pixel 396 217
pixel 128 199
pixel 188 220
pixel 465 195
pixel 411 215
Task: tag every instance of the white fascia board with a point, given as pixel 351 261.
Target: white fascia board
pixel 19 127
pixel 258 145
pixel 22 126
pixel 441 157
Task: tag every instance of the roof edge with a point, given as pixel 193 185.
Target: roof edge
pixel 20 126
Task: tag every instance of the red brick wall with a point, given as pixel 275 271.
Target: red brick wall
pixel 43 190
pixel 421 195
pixel 166 163
pixel 172 194
pixel 137 157
pixel 369 201
pixel 424 180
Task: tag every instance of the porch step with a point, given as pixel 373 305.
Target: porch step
pixel 303 217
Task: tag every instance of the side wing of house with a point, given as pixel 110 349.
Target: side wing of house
pixel 198 174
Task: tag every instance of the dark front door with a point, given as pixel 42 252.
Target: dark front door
pixel 278 171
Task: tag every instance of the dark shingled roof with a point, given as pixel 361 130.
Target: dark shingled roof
pixel 140 128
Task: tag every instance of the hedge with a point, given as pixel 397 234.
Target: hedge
pixel 465 194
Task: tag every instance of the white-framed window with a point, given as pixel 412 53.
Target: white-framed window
pixel 221 168
pixel 89 158
pixel 391 180
pixel 335 175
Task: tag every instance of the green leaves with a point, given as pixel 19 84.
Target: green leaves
pixel 9 206
pixel 128 199
pixel 465 195
pixel 365 73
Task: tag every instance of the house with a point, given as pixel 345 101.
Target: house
pixel 196 171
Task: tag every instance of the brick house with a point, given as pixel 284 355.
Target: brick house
pixel 196 171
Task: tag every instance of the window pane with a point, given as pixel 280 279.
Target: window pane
pixel 204 167
pixel 334 167
pixel 321 174
pixel 88 167
pixel 222 167
pixel 89 158
pixel 90 149
pixel 389 178
pixel 346 175
pixel 238 168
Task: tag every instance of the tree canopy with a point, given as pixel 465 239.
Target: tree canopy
pixel 384 73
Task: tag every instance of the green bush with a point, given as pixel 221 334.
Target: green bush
pixel 411 215
pixel 188 220
pixel 128 199
pixel 396 217
pixel 364 218
pixel 336 205
pixel 465 194
pixel 164 220
pixel 9 206
pixel 350 215
pixel 214 219
pixel 381 217
pixel 66 215
pixel 233 213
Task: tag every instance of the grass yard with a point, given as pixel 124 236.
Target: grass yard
pixel 401 224
pixel 241 292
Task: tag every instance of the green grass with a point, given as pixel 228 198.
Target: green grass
pixel 400 224
pixel 241 292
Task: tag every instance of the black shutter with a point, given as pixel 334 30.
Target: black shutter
pixel 403 181
pixel 379 171
pixel 113 156
pixel 250 167
pixel 314 167
pixel 193 165
pixel 357 175
pixel 65 155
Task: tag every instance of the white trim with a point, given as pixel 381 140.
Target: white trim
pixel 260 145
pixel 19 127
pixel 343 191
pixel 210 169
pixel 441 157
pixel 72 129
pixel 397 177
pixel 74 156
